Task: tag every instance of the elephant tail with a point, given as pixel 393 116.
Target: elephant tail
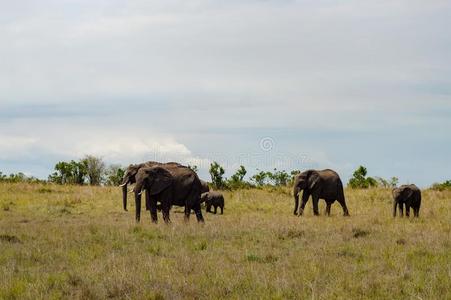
pixel 341 193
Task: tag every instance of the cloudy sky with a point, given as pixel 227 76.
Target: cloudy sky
pixel 285 84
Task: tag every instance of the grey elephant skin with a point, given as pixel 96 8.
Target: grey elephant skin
pixel 169 185
pixel 130 176
pixel 320 184
pixel 205 187
pixel 214 199
pixel 408 196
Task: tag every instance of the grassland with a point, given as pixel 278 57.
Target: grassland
pixel 76 242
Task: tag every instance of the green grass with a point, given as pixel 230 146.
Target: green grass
pixel 76 242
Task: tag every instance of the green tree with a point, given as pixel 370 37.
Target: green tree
pixel 95 169
pixel 72 172
pixel 279 178
pixel 114 175
pixel 261 178
pixel 237 179
pixel 359 179
pixel 217 173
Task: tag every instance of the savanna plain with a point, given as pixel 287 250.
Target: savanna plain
pixel 76 242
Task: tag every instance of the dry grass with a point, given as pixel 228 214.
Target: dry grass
pixel 76 242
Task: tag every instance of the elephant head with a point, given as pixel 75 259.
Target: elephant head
pixel 402 193
pixel 307 180
pixel 153 179
pixel 129 178
pixel 205 187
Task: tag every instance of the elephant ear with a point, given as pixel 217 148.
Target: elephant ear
pixel 313 180
pixel 160 179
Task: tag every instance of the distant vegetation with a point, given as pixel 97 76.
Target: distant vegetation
pixel 442 186
pixel 92 170
pixel 360 180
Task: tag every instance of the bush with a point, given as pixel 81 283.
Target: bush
pixel 19 177
pixel 442 186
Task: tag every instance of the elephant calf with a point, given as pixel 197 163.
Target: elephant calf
pixel 408 195
pixel 214 199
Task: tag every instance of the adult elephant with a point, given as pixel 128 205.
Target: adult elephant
pixel 322 184
pixel 130 176
pixel 205 187
pixel 408 195
pixel 169 185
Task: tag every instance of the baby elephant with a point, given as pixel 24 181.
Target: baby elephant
pixel 408 195
pixel 214 199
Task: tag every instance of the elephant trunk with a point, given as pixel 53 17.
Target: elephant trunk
pixel 124 196
pixel 296 200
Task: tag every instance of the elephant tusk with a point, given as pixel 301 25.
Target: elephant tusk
pixel 131 191
pixel 140 193
pixel 123 184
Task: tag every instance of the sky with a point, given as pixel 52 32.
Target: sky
pixel 267 84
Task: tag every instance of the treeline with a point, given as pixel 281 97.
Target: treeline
pixel 92 170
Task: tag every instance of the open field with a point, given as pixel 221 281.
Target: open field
pixel 76 242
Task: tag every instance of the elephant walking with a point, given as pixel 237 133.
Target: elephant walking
pixel 323 184
pixel 214 199
pixel 130 176
pixel 166 183
pixel 408 195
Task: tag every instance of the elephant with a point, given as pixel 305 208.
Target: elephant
pixel 169 185
pixel 320 184
pixel 214 199
pixel 408 195
pixel 130 176
pixel 205 187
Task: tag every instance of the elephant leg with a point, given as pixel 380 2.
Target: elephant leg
pixel 138 206
pixel 216 209
pixel 198 212
pixel 152 202
pixel 401 209
pixel 165 208
pixel 407 210
pixel 328 208
pixel 208 208
pixel 315 205
pixel 343 205
pixel 222 209
pixel 187 212
pixel 305 197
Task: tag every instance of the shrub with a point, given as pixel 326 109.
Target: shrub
pixel 442 186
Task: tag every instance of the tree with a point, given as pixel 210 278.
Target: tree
pixel 279 178
pixel 237 179
pixel 217 173
pixel 114 175
pixel 260 178
pixel 391 183
pixel 95 169
pixel 359 179
pixel 69 173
